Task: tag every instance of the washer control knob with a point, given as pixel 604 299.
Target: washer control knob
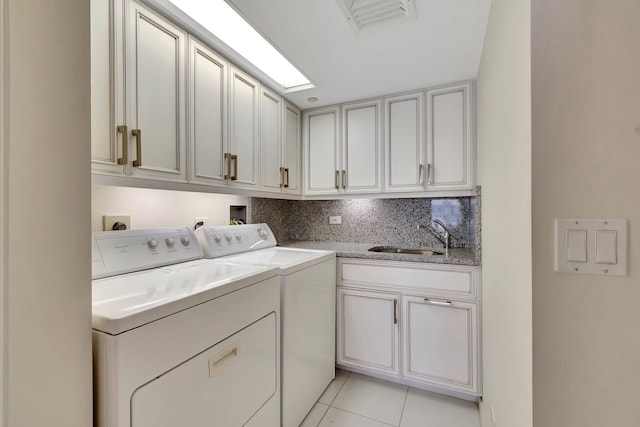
pixel 238 237
pixel 170 242
pixel 262 233
pixel 153 243
pixel 185 240
pixel 228 237
pixel 217 238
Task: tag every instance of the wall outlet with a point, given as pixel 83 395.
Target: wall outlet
pixel 335 219
pixel 200 221
pixel 108 222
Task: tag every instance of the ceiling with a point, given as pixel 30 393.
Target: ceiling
pixel 442 44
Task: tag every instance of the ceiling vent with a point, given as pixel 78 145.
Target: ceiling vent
pixel 361 13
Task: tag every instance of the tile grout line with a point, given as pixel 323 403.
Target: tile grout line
pixel 362 416
pixel 334 398
pixel 340 389
pixel 404 405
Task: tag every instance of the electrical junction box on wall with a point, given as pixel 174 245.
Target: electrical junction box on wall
pixel 591 246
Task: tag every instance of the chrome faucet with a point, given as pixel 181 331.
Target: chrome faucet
pixel 444 238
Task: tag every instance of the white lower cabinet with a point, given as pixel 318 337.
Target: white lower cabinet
pixel 368 329
pixel 421 329
pixel 439 342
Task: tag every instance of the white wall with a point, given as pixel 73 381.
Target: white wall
pixel 47 196
pixel 504 159
pixel 586 154
pixel 160 208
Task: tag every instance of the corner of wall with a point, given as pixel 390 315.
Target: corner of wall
pixel 504 172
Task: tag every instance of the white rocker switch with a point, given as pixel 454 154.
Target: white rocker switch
pixel 606 242
pixel 577 245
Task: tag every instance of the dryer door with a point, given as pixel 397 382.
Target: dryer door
pixel 225 385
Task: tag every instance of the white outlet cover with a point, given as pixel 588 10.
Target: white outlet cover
pixel 335 220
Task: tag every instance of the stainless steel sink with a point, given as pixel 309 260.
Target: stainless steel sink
pixel 397 250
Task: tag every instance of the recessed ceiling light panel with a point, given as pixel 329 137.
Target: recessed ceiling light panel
pixel 227 25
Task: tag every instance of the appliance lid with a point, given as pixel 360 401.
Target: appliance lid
pixel 124 302
pixel 289 260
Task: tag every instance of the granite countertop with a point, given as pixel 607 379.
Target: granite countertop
pixel 460 256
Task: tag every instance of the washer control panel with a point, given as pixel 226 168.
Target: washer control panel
pixel 119 252
pixel 217 241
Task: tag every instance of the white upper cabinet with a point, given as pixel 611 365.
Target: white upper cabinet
pixel 223 121
pixel 321 148
pixel 361 161
pixel 343 154
pixel 404 143
pixel 450 138
pixel 156 95
pixel 207 114
pixel 109 133
pixel 242 158
pixel 167 107
pixel 271 139
pixel 144 76
pixel 280 140
pixel 292 148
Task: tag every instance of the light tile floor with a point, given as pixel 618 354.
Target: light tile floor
pixel 353 400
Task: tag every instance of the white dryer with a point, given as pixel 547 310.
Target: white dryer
pixel 308 301
pixel 182 341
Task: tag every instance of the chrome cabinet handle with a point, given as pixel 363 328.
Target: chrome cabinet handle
pixel 138 134
pixel 395 311
pixel 344 179
pixel 125 145
pixel 286 172
pixel 282 170
pixel 337 177
pixel 234 158
pixel 436 302
pixel 420 179
pixel 430 173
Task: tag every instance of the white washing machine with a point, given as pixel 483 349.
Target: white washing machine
pixel 308 301
pixel 182 341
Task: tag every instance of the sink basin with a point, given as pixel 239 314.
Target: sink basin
pixel 397 250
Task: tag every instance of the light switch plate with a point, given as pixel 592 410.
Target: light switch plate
pixel 591 246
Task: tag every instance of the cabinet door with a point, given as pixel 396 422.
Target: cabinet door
pixel 243 129
pixel 361 147
pixel 157 95
pixel 109 136
pixel 449 138
pixel 321 143
pixel 271 141
pixel 207 114
pixel 440 342
pixel 404 142
pixel 368 330
pixel 292 147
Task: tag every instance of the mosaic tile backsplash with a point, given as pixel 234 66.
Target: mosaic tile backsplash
pixel 381 221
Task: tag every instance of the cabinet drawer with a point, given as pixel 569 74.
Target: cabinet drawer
pixel 446 280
